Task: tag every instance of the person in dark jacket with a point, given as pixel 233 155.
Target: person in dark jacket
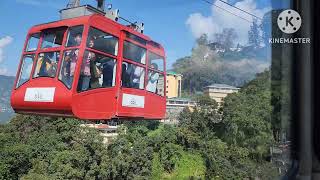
pixel 107 72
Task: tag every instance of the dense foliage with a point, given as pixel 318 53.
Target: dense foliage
pixel 247 117
pixel 210 142
pixel 234 140
pixel 50 148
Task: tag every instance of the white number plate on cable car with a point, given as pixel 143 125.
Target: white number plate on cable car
pixel 130 100
pixel 39 94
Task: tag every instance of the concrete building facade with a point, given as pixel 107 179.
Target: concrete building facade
pixel 219 91
pixel 175 106
pixel 174 82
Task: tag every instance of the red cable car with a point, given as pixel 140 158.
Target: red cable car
pixel 90 67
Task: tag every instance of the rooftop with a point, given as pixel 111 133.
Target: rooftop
pixel 173 73
pixel 179 99
pixel 222 86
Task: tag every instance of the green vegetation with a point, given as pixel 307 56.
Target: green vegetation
pixel 221 60
pixel 247 117
pixel 206 66
pixel 208 143
pixel 49 148
pixel 190 165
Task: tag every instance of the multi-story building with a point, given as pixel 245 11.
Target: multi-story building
pixel 219 91
pixel 173 89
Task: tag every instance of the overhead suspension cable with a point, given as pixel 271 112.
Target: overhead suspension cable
pixel 240 9
pixel 206 1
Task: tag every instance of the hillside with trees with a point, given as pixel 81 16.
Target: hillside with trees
pixel 232 141
pixel 223 60
pixel 208 143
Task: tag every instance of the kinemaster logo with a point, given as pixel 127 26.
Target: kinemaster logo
pixel 289 22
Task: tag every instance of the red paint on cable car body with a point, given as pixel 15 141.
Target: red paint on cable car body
pixel 95 104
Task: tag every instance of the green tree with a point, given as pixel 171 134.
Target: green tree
pixel 234 140
pixel 169 156
pixel 226 37
pixel 50 148
pixel 247 117
pixel 254 37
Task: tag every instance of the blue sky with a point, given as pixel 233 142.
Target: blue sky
pixel 174 23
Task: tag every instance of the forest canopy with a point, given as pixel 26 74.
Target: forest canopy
pixel 205 144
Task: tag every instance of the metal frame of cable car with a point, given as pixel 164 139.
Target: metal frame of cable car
pixel 105 103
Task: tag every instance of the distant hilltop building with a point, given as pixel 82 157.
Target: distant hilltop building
pixel 174 82
pixel 217 47
pixel 219 91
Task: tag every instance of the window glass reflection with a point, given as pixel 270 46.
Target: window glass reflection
pixel 97 71
pixel 68 67
pixel 102 41
pixel 33 42
pixel 26 68
pixel 134 52
pixel 52 39
pixel 132 76
pixel 47 64
pixel 155 61
pixel 74 36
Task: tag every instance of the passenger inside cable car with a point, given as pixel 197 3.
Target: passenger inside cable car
pixel 153 79
pixel 78 69
pixel 74 36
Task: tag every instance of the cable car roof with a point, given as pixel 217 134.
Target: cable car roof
pixel 87 19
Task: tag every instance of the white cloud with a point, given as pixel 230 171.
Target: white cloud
pixel 202 25
pixel 3 43
pixel 219 19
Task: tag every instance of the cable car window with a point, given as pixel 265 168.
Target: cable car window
pixel 47 64
pixel 154 44
pixel 134 52
pixel 97 71
pixel 52 39
pixel 102 41
pixel 74 36
pixel 68 67
pixel 136 38
pixel 132 76
pixel 33 42
pixel 25 71
pixel 155 83
pixel 155 61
